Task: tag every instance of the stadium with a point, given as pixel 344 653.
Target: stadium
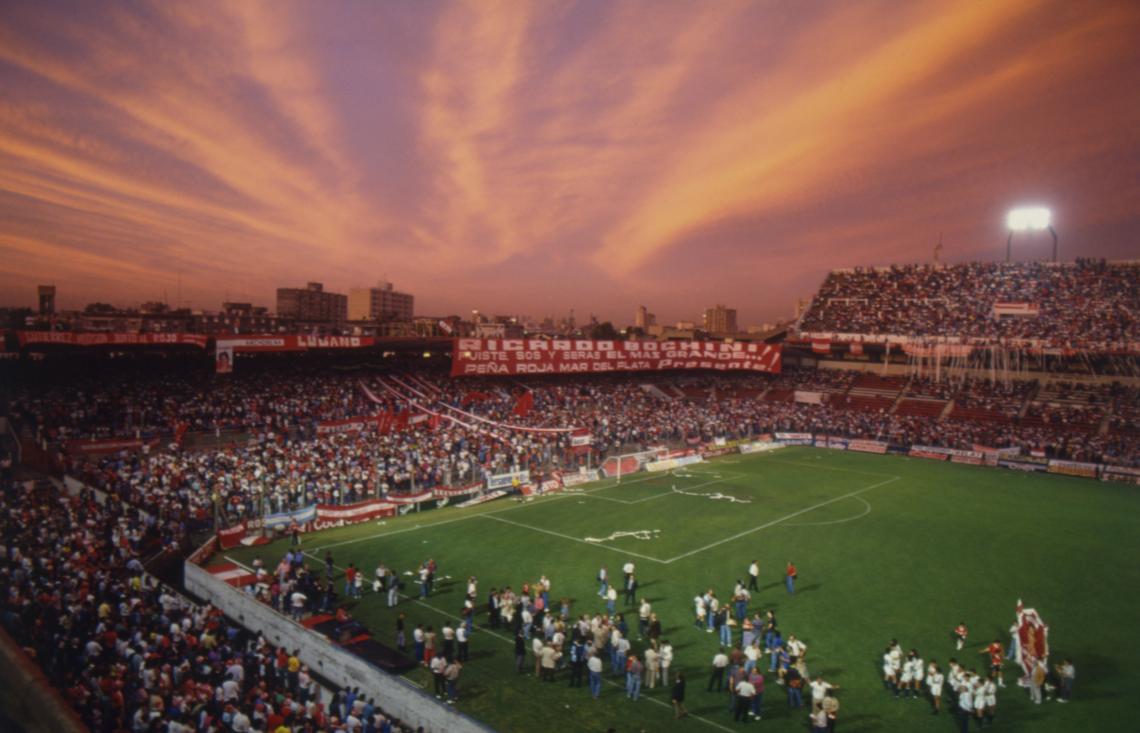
pixel 577 366
pixel 921 467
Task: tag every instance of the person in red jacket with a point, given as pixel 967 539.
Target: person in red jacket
pixel 997 655
pixel 960 634
pixel 790 577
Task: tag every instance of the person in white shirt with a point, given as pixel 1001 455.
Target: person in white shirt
pixel 719 664
pixel 594 667
pixel 753 576
pixel 461 640
pixel 818 718
pixel 745 691
pixel 643 612
pixel 989 694
pixel 965 703
pixel 819 688
pixel 751 655
pixel 911 675
pixel 699 609
pixel 652 667
pixel 890 681
pixel 934 681
pixel 666 661
pixel 795 647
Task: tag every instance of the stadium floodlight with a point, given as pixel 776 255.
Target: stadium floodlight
pixel 1029 219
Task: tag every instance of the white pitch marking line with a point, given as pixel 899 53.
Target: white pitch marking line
pixel 568 537
pixel 654 496
pixel 837 521
pixel 438 524
pixel 774 522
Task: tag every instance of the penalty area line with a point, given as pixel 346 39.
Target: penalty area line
pixel 774 522
pixel 552 533
pixel 429 525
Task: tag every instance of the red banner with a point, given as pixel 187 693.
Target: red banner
pixel 112 445
pixel 867 446
pixel 232 536
pixel 582 356
pixel 111 339
pixel 338 515
pixel 273 342
pixel 384 422
pixel 348 425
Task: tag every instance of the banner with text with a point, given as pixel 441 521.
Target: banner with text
pixel 576 356
pixel 111 339
pixel 339 515
pixel 271 342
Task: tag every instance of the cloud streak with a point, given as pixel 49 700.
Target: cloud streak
pixel 533 157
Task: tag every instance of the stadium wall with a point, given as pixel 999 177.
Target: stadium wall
pixel 340 667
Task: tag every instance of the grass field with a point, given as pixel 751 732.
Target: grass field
pixel 886 547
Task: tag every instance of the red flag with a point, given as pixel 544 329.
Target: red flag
pixel 524 404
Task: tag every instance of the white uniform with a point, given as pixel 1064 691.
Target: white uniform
pixel 888 665
pixel 965 699
pixel 956 678
pixel 917 669
pixel 908 671
pixel 989 691
pixel 979 696
pixel 896 658
pixel 934 681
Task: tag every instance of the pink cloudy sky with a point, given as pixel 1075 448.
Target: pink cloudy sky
pixel 531 158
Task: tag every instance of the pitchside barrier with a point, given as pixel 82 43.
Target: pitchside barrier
pixel 340 667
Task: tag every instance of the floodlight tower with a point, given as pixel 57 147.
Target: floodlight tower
pixel 1029 218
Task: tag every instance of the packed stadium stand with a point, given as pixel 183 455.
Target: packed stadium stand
pixel 1083 304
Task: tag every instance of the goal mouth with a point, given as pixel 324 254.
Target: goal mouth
pixel 627 463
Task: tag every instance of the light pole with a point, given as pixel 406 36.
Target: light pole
pixel 1029 219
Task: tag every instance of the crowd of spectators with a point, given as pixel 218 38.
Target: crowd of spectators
pixel 1086 304
pixel 481 427
pixel 128 653
pixel 997 398
pixel 126 407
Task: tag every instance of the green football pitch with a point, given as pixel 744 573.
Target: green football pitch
pixel 886 547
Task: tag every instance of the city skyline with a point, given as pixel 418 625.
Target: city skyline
pixel 522 158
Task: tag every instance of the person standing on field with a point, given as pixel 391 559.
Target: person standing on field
pixel 719 664
pixel 1066 673
pixel 934 680
pixel 594 668
pixel 790 578
pixel 744 694
pixel 666 660
pixel 1037 680
pixel 679 697
pixel 754 576
pixel 652 667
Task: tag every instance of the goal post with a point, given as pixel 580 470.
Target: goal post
pixel 627 463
